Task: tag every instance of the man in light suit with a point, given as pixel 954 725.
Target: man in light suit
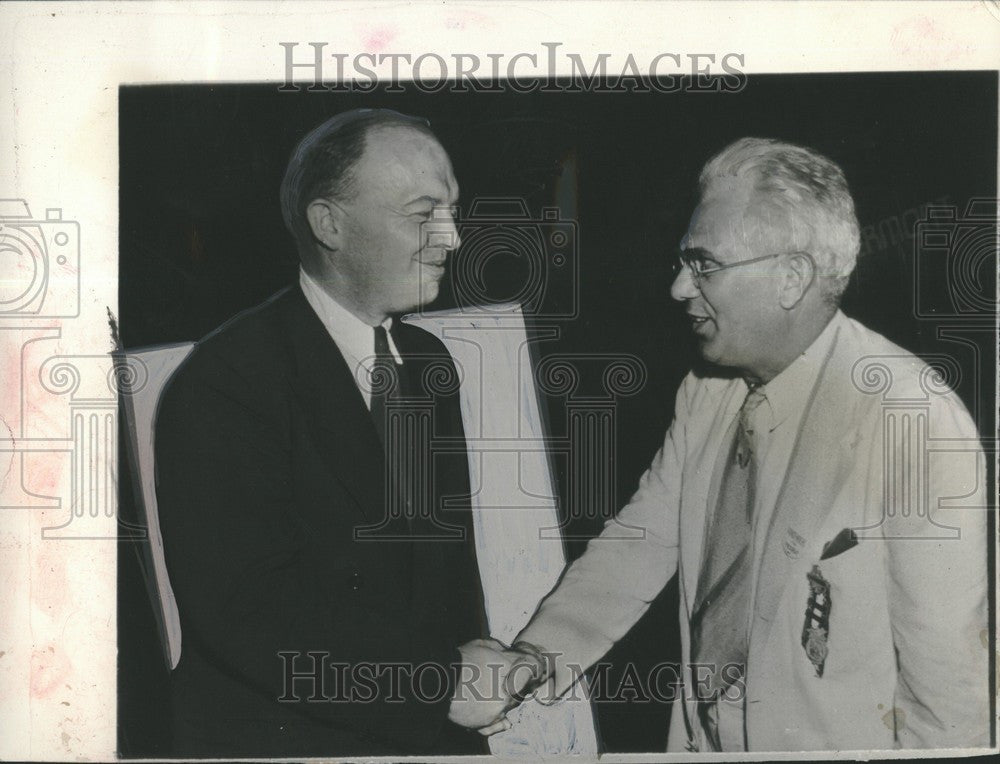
pixel 820 493
pixel 311 582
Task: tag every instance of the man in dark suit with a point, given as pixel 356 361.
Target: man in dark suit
pixel 322 595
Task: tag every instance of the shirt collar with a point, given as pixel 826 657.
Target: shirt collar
pixel 789 391
pixel 354 338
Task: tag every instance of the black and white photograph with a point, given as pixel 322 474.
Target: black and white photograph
pixel 546 402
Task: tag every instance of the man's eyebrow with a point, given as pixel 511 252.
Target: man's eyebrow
pixel 433 201
pixel 421 200
pixel 700 253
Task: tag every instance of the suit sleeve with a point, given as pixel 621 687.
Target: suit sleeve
pixel 607 590
pixel 937 571
pixel 236 558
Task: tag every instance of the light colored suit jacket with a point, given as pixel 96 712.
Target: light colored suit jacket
pixel 884 448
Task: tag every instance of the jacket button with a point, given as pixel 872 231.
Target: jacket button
pixel 355 581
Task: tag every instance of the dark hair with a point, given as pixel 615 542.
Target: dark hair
pixel 321 165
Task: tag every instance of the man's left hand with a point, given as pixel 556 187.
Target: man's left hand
pixel 490 675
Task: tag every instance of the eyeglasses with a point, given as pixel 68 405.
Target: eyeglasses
pixel 701 268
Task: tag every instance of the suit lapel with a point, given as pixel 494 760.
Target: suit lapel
pixel 820 461
pixel 339 420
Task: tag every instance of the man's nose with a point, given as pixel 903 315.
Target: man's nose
pixel 443 232
pixel 684 286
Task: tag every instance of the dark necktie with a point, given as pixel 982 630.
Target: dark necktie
pixel 443 590
pixel 385 381
pixel 721 612
pixel 446 593
pixel 404 416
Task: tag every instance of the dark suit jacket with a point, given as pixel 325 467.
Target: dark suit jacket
pixel 267 462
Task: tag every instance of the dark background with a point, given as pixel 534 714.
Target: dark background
pixel 201 238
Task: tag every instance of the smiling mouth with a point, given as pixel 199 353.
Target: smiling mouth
pixel 432 270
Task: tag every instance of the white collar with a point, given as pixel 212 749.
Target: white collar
pixel 354 338
pixel 789 390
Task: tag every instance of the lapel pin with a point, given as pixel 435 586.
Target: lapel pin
pixel 792 545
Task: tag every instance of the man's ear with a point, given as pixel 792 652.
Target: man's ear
pixel 800 273
pixel 326 220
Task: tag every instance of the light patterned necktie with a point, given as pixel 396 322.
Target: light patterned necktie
pixel 720 615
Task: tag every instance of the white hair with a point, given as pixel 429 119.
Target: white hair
pixel 804 190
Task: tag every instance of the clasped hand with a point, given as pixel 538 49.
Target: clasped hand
pixel 494 679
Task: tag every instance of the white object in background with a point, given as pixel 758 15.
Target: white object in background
pixel 513 500
pixel 152 368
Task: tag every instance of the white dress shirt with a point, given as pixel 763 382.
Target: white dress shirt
pixel 354 338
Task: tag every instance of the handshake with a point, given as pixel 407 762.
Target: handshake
pixel 494 679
